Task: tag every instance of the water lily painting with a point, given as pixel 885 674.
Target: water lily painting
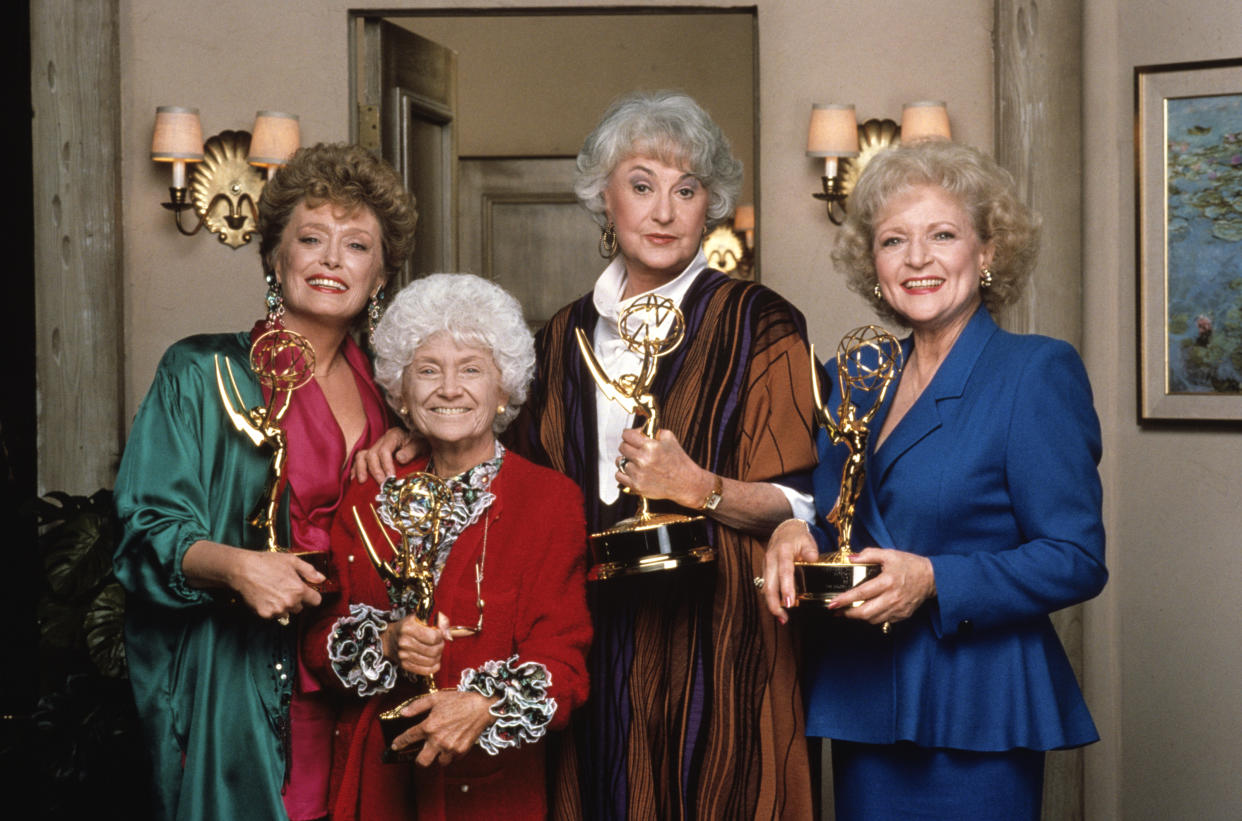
pixel 1190 241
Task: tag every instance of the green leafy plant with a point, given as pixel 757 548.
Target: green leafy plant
pixel 84 730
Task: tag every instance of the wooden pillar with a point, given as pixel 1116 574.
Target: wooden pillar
pixel 1038 126
pixel 75 94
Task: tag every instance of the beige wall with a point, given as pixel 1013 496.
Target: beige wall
pixel 536 85
pixel 1165 677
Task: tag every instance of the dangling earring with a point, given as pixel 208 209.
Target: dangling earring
pixel 608 241
pixel 275 300
pixel 374 313
pixel 878 293
pixel 985 277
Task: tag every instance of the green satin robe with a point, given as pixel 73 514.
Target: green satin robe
pixel 212 681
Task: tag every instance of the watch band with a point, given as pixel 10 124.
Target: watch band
pixel 713 499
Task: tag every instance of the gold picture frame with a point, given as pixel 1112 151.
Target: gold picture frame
pixel 1188 175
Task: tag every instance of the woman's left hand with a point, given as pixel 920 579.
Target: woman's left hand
pixel 454 722
pixel 906 581
pixel 659 469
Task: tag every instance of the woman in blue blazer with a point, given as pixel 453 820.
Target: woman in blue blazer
pixel 981 504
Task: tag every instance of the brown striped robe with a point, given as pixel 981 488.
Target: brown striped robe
pixel 696 706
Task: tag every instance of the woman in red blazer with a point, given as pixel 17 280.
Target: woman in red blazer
pixel 508 637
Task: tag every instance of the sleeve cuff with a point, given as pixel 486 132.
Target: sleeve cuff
pixel 356 651
pixel 524 710
pixel 802 504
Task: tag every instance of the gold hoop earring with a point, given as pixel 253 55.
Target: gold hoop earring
pixel 608 241
pixel 985 277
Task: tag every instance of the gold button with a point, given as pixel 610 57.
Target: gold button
pixel 350 557
pixel 279 666
pixel 465 788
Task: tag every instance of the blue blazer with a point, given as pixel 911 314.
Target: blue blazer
pixel 993 475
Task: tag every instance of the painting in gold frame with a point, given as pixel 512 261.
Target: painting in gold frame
pixel 1188 152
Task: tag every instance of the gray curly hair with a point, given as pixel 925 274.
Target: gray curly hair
pixel 671 127
pixel 985 190
pixel 473 311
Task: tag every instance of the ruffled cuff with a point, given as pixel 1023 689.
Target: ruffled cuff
pixel 356 651
pixel 524 710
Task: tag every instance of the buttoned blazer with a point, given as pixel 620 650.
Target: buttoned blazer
pixel 992 474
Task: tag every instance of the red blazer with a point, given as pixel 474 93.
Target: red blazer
pixel 534 593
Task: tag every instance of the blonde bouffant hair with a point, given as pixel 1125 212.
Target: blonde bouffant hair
pixel 983 188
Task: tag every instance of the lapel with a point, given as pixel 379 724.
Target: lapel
pixel 925 416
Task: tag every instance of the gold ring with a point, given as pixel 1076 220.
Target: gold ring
pixel 759 582
pixel 284 620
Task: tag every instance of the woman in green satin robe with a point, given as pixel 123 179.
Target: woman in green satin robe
pixel 235 728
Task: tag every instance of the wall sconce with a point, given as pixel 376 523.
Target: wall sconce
pixel 731 250
pixel 226 181
pixel 847 147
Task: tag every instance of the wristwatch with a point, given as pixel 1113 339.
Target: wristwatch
pixel 713 499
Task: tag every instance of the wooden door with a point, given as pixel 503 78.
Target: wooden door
pixel 407 100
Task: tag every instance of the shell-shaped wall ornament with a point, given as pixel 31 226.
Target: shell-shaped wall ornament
pixel 724 251
pixel 225 188
pixel 874 136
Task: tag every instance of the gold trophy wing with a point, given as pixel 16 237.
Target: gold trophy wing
pixel 239 420
pixel 610 388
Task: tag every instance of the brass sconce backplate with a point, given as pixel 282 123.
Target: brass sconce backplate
pixel 225 188
pixel 723 250
pixel 873 137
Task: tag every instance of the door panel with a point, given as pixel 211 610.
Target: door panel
pixel 408 88
pixel 520 225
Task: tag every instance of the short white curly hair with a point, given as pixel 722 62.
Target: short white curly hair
pixel 473 311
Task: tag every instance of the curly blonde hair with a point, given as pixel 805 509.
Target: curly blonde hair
pixel 345 175
pixel 985 191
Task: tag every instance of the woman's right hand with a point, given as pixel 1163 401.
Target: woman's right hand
pixel 275 585
pixel 790 542
pixel 396 446
pixel 415 646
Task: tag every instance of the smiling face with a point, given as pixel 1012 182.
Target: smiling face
pixel 329 263
pixel 928 258
pixel 660 212
pixel 452 392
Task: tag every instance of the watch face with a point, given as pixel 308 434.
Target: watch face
pixel 712 501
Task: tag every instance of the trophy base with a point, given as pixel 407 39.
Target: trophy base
pixel 321 560
pixel 818 583
pixel 393 724
pixel 663 541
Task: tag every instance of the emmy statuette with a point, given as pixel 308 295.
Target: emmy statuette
pixel 284 361
pixel 651 327
pixel 420 502
pixel 868 359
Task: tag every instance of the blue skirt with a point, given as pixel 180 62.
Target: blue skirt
pixel 905 781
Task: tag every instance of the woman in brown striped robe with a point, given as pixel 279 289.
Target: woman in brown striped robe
pixel 695 708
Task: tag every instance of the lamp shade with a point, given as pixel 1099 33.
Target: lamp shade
pixel 925 119
pixel 178 135
pixel 744 218
pixel 274 139
pixel 833 131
